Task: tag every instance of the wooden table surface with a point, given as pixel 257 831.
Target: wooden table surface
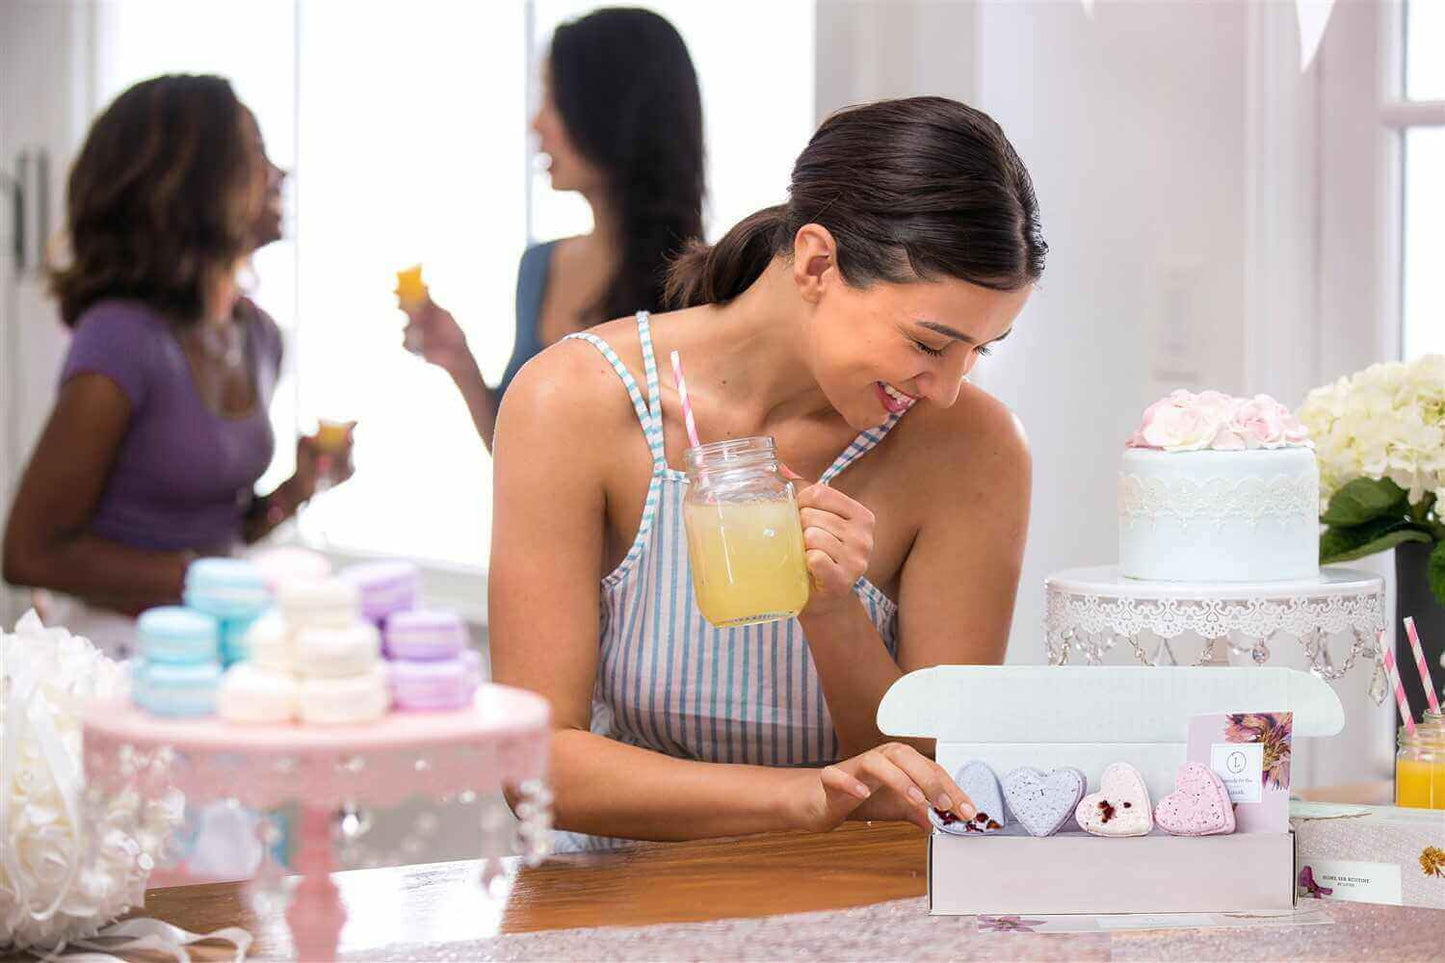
pixel 855 865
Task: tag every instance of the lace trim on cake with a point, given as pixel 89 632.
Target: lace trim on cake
pixel 1213 501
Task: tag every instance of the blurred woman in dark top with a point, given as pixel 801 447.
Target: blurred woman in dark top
pixel 621 124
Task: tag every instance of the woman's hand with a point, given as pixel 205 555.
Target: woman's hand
pixel 432 332
pixel 889 782
pixel 838 540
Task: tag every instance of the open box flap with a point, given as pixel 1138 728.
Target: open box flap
pixel 1095 704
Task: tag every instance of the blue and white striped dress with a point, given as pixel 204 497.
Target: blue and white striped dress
pixel 668 680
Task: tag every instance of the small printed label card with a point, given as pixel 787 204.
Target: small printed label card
pixel 1250 752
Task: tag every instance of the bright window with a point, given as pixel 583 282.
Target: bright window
pixel 405 128
pixel 1422 284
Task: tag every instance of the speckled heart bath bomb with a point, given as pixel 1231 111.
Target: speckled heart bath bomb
pixel 1198 806
pixel 978 781
pixel 1043 801
pixel 1121 807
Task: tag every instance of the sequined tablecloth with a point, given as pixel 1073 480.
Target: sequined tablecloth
pixel 902 929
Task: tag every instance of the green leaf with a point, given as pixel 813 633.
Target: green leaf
pixel 1435 572
pixel 1364 500
pixel 1357 541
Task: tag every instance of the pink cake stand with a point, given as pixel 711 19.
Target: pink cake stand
pixel 498 745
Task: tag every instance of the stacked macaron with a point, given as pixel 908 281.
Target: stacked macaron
pixel 316 660
pixel 234 592
pixel 386 586
pixel 179 665
pixel 431 666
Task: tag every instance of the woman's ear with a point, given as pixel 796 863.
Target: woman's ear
pixel 815 261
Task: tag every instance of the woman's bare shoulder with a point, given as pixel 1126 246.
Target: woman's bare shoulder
pixel 979 432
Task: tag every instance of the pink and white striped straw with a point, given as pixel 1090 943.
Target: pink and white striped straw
pixel 1425 679
pixel 682 394
pixel 1394 675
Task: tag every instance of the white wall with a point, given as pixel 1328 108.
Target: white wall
pixel 44 103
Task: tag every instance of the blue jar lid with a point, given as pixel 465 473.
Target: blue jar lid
pixel 210 574
pixel 175 623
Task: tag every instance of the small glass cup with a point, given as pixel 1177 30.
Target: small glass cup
pixel 1420 764
pixel 744 537
pixel 332 435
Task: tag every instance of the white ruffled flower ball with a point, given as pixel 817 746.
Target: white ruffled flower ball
pixel 1387 421
pixel 58 882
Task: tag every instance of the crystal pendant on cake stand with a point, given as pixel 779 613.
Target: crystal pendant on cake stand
pixel 335 775
pixel 1095 615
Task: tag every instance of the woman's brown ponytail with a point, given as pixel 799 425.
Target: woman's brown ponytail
pixel 712 273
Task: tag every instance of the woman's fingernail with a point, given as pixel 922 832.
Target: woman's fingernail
pixel 861 791
pixel 943 803
pixel 916 795
pixel 788 473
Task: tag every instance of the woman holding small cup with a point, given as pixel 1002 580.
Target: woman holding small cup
pixel 161 428
pixel 833 332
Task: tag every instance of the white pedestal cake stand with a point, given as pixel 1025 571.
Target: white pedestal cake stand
pixel 471 755
pixel 1091 611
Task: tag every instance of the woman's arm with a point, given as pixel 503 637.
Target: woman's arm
pixel 958 582
pixel 566 421
pixel 46 540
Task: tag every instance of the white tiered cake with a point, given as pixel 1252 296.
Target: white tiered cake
pixel 1219 489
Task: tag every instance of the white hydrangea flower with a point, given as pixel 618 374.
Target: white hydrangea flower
pixel 1387 421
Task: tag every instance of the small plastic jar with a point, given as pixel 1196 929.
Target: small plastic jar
pixel 744 538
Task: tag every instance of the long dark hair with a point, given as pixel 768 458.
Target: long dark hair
pixel 625 87
pixel 162 197
pixel 917 189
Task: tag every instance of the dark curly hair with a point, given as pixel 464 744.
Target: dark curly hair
pixel 915 189
pixel 165 194
pixel 625 87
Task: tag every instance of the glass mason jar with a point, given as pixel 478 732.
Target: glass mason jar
pixel 1420 764
pixel 744 538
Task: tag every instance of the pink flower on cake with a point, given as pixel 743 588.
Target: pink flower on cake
pixel 1181 422
pixel 1213 420
pixel 1265 423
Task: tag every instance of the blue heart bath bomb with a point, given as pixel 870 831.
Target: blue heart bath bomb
pixel 1043 801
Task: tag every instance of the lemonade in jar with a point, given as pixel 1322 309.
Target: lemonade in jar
pixel 744 538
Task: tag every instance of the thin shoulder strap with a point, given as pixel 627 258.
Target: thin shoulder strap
pixel 649 410
pixel 864 443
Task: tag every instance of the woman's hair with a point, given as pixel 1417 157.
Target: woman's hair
pixel 918 189
pixel 625 87
pixel 161 199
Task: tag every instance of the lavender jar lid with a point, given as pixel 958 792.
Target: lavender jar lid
pixel 425 634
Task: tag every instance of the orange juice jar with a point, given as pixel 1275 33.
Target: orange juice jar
pixel 1420 764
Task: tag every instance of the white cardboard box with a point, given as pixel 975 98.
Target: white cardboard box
pixel 1089 717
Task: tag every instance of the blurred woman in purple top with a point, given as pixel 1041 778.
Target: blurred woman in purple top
pixel 160 429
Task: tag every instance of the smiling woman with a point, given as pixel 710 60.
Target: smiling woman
pixel 841 323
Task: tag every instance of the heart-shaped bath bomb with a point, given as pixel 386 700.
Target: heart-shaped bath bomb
pixel 1198 806
pixel 1042 801
pixel 979 783
pixel 1121 807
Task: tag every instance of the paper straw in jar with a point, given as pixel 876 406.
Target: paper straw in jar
pixel 682 394
pixel 1425 679
pixel 1400 699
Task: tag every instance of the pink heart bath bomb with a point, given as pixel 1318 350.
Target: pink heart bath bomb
pixel 1121 807
pixel 1198 806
